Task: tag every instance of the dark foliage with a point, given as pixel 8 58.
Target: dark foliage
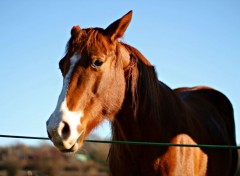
pixel 45 160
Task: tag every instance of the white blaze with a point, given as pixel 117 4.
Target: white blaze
pixel 62 114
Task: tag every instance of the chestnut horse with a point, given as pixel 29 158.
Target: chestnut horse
pixel 104 78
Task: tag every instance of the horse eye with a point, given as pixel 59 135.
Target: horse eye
pixel 97 63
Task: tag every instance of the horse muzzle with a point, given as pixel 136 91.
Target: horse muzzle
pixel 64 136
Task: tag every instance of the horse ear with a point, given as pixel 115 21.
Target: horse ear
pixel 117 28
pixel 75 30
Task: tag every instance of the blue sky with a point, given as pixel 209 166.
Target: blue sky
pixel 190 43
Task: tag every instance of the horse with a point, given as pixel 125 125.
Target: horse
pixel 105 78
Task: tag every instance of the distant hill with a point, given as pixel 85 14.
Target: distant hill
pixel 44 160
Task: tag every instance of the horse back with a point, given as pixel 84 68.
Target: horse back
pixel 214 112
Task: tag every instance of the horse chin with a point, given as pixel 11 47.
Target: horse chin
pixel 73 149
pixel 76 146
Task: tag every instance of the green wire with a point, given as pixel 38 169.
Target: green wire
pixel 135 143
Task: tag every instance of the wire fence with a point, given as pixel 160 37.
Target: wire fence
pixel 133 142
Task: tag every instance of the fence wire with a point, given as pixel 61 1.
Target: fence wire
pixel 133 142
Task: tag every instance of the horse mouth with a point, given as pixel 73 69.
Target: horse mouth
pixel 75 147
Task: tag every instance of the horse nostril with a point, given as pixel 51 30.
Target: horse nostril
pixel 65 131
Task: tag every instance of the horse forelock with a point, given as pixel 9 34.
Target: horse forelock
pixel 87 40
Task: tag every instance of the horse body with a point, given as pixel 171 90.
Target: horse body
pixel 105 78
pixel 198 115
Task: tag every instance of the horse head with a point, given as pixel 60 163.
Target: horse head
pixel 93 83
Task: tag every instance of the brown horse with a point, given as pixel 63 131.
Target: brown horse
pixel 108 79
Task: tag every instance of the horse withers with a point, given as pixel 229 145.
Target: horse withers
pixel 104 78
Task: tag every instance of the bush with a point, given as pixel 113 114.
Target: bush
pixel 12 165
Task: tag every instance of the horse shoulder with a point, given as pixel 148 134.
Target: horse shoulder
pixel 179 160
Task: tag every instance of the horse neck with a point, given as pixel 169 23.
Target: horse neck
pixel 145 115
pixel 145 112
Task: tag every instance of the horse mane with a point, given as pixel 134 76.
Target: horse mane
pixel 140 105
pixel 142 88
pixel 144 81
